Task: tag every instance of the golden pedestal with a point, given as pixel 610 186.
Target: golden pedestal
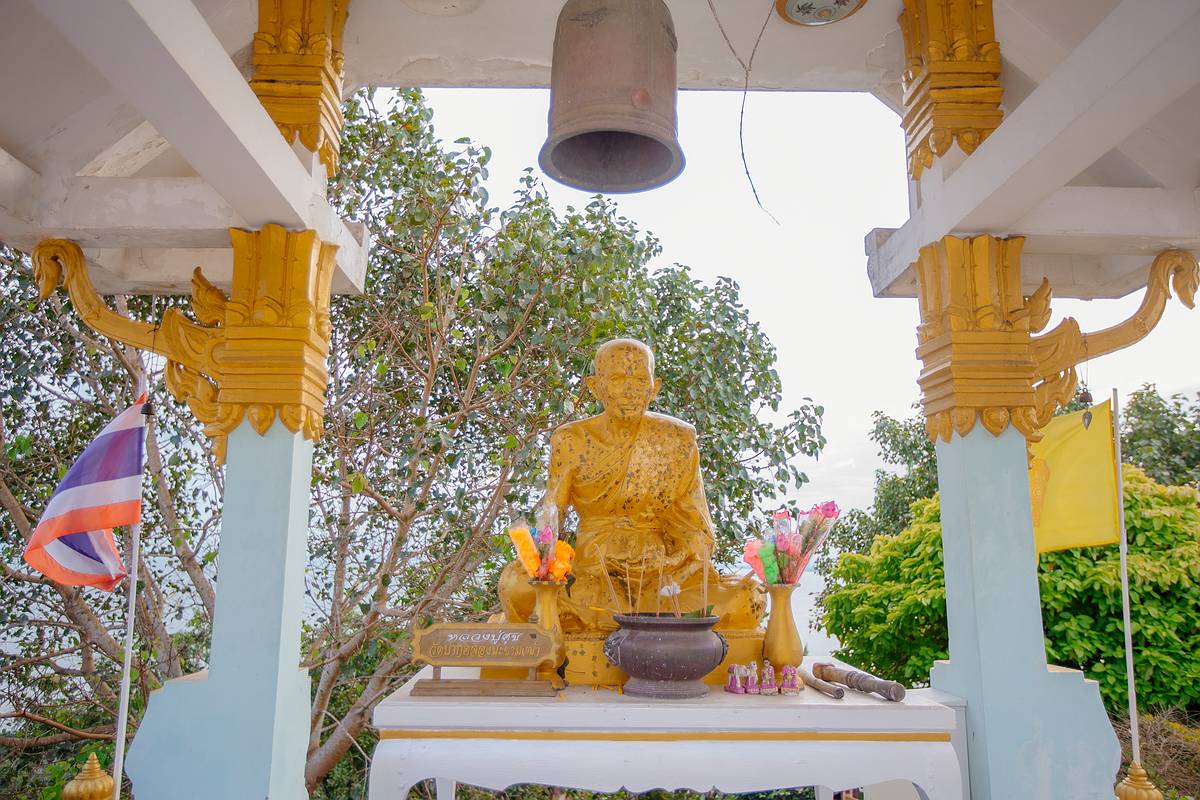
pixel 587 666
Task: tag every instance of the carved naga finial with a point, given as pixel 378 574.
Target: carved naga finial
pixel 277 320
pixel 192 373
pixel 1059 351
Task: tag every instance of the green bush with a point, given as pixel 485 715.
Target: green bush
pixel 888 607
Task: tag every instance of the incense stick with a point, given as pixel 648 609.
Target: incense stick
pixel 704 579
pixel 641 577
pixel 658 594
pixel 608 579
pixel 628 586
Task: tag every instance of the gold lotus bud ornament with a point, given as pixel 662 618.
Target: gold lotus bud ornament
pixel 1136 786
pixel 92 783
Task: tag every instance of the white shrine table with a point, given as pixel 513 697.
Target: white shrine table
pixel 600 740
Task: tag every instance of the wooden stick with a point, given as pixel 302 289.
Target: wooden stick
pixel 860 681
pixel 824 687
pixel 704 584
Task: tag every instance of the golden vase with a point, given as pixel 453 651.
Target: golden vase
pixel 781 645
pixel 546 612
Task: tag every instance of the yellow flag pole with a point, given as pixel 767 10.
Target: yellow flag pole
pixel 1136 785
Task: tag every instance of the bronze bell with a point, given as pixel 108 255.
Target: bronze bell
pixel 612 97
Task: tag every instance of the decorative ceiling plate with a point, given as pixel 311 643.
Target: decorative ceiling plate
pixel 815 13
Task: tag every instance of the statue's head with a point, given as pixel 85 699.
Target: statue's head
pixel 623 379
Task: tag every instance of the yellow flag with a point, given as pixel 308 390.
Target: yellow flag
pixel 1073 482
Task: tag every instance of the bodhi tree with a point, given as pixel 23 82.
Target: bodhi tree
pixel 447 374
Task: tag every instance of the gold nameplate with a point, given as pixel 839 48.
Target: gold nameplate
pixel 516 645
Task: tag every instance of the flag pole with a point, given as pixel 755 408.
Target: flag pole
pixel 135 531
pixel 1136 783
pixel 135 535
pixel 1132 689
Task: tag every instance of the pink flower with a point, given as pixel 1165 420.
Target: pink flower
pixel 545 535
pixel 830 510
pixel 750 556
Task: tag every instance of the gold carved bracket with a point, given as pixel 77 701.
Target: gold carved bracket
pixel 298 69
pixel 951 80
pixel 1059 351
pixel 258 354
pixel 981 360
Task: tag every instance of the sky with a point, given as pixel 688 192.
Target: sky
pixel 830 168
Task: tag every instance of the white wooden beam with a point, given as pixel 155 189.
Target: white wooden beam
pixel 164 58
pixel 135 212
pixel 1138 60
pixel 148 234
pixel 17 182
pixel 1090 242
pixel 124 157
pixel 1035 52
pixel 1091 220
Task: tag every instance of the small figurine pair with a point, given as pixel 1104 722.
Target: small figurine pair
pixel 744 679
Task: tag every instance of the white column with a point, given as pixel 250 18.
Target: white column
pixel 241 729
pixel 1033 731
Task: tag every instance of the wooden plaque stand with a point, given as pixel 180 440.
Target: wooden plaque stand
pixel 520 645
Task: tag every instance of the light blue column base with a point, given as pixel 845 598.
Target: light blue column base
pixel 241 729
pixel 1033 731
pixel 1044 736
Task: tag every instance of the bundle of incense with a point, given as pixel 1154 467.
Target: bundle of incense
pixel 671 591
pixel 612 589
pixel 824 687
pixel 863 682
pixel 782 555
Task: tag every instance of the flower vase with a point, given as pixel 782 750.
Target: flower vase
pixel 546 612
pixel 781 645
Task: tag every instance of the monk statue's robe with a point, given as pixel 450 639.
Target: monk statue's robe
pixel 643 526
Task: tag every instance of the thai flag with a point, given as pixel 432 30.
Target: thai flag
pixel 73 543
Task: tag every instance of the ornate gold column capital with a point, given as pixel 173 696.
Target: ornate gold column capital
pixel 981 359
pixel 298 65
pixel 257 354
pixel 974 335
pixel 951 79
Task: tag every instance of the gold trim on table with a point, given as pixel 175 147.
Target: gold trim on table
pixel 667 736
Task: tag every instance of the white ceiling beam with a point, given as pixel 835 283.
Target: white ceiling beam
pixel 124 157
pixel 153 270
pixel 1036 53
pixel 17 182
pixel 1113 221
pixel 1089 241
pixel 148 234
pixel 1139 59
pixel 164 58
pixel 135 212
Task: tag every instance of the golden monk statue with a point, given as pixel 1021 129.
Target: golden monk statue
pixel 633 478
